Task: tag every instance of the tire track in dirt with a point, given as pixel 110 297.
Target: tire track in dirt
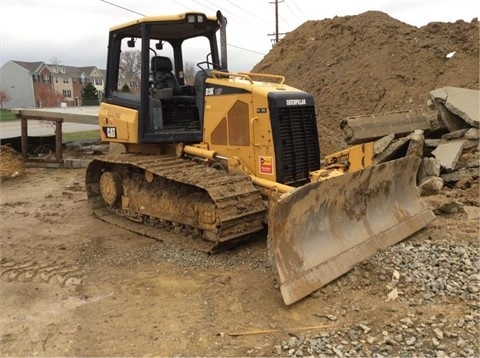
pixel 56 272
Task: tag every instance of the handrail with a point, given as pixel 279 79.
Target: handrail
pixel 247 75
pixel 266 75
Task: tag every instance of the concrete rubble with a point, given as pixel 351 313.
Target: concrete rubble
pixel 445 136
pixel 361 129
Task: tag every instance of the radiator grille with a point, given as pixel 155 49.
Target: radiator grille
pixel 300 152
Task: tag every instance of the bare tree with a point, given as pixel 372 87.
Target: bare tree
pixel 189 72
pixel 4 97
pixel 55 61
pixel 130 61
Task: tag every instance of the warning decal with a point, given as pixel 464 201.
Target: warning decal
pixel 266 165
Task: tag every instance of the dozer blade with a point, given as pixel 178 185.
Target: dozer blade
pixel 322 230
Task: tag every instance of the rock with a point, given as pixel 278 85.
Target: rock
pixel 472 134
pixel 278 349
pixel 431 186
pixel 428 167
pixel 450 207
pixel 392 295
pixel 395 275
pixel 367 329
pixel 438 333
pixel 398 337
pixel 411 341
pixel 473 212
pixel 338 352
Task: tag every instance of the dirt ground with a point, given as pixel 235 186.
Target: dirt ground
pixel 72 285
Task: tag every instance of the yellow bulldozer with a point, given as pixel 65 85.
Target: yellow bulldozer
pixel 223 155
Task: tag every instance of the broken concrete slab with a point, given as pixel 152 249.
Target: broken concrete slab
pixel 381 144
pixel 395 150
pixel 456 134
pixel 461 174
pixel 449 153
pixel 451 120
pixel 462 102
pixel 361 129
pixel 416 144
pixel 429 167
pixel 469 144
pixel 433 143
pixel 472 133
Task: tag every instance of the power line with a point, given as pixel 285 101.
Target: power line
pixel 299 10
pixel 121 7
pixel 138 13
pixel 242 18
pixel 246 49
pixel 289 8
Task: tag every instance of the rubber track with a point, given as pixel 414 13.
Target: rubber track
pixel 238 202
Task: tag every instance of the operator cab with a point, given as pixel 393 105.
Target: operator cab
pixel 157 65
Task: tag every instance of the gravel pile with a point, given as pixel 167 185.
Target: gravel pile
pixel 419 274
pixel 433 269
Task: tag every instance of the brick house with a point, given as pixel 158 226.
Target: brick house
pixel 36 84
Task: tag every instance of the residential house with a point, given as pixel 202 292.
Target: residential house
pixel 28 84
pixel 131 79
pixel 36 84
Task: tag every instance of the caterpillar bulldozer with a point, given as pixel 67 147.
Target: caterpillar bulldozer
pixel 223 155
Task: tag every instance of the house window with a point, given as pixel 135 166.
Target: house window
pixel 65 79
pixel 98 81
pixel 46 79
pixel 56 79
pixel 36 78
pixel 67 93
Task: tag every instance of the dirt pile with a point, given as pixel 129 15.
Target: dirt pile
pixel 372 63
pixel 11 164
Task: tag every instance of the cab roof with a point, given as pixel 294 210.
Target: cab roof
pixel 171 27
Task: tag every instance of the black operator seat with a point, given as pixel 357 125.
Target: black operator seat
pixel 163 76
pixel 165 83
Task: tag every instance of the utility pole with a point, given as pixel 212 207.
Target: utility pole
pixel 276 34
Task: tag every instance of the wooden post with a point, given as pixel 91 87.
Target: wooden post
pixel 58 140
pixel 24 137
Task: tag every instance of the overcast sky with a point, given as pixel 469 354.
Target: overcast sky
pixel 74 32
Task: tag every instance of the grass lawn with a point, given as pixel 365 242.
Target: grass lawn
pixel 6 115
pixel 68 137
pixel 84 135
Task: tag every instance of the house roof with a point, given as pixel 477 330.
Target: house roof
pixel 31 66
